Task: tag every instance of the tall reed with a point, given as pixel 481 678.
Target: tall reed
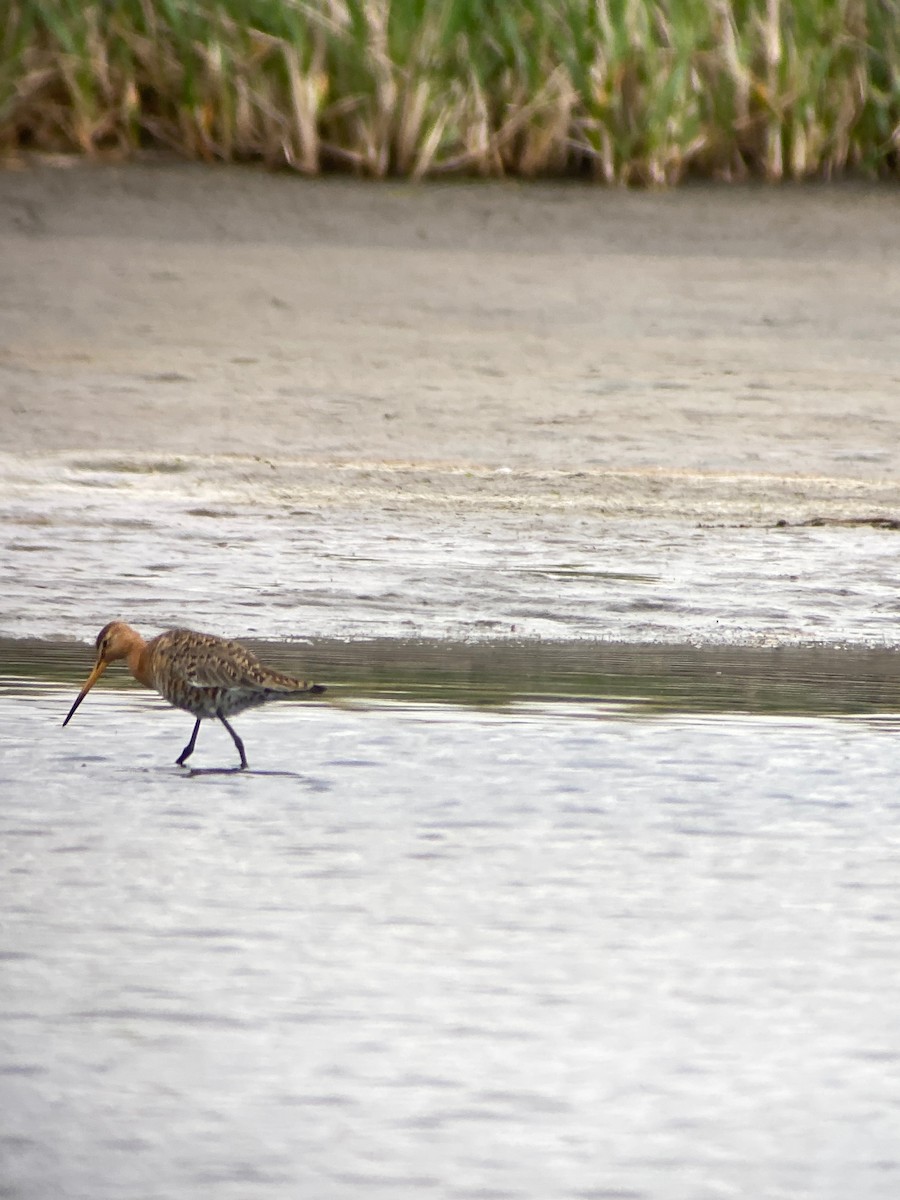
pixel 634 91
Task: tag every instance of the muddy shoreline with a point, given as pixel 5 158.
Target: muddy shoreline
pixel 278 408
pixel 174 309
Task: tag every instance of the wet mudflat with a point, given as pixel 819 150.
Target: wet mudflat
pixel 275 551
pixel 547 943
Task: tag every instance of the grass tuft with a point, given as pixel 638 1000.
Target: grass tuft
pixel 621 91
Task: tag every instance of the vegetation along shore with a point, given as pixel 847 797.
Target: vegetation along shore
pixel 627 91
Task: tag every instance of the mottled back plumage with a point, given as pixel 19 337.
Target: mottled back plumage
pixel 210 676
pixel 207 676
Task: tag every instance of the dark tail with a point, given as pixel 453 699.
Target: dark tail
pixel 302 688
pixel 287 685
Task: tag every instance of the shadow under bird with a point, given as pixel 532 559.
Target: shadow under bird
pixel 207 676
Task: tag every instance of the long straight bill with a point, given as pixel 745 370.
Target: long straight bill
pixel 91 680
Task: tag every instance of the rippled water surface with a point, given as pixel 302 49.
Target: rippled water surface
pixel 582 882
pixel 582 939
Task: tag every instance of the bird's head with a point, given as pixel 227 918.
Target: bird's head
pixel 114 641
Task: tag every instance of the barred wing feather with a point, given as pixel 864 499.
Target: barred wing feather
pixel 203 661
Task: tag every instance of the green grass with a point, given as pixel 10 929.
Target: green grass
pixel 628 91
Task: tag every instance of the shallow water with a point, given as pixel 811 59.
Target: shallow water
pixel 582 882
pixel 574 940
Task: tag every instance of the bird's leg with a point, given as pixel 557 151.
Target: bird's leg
pixel 237 741
pixel 189 748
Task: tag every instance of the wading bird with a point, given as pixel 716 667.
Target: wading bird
pixel 206 676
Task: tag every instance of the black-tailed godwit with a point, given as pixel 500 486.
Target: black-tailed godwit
pixel 206 676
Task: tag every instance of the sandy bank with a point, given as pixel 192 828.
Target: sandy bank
pixel 734 334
